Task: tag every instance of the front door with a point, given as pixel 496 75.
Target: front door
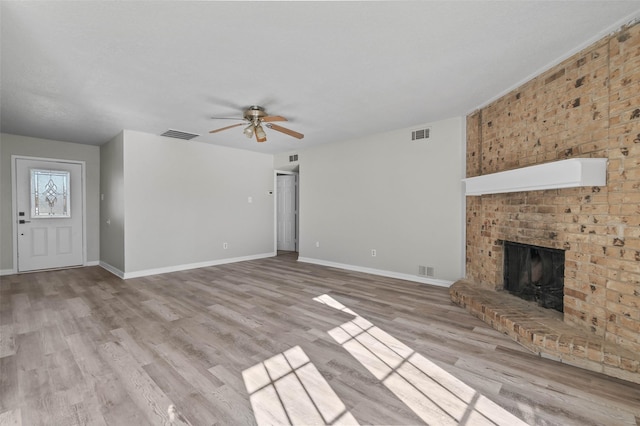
pixel 49 203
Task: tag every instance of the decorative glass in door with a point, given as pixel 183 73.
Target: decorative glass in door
pixel 50 195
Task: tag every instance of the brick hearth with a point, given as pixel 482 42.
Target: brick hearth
pixel 544 332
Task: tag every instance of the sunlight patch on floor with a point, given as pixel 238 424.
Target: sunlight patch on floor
pixel 432 393
pixel 288 389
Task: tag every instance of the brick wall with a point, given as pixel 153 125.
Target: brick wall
pixel 587 106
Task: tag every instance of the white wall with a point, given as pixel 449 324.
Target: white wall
pixel 112 247
pixel 184 199
pixel 385 192
pixel 281 162
pixel 45 148
pixel 172 203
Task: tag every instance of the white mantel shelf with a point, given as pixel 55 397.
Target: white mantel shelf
pixel 569 173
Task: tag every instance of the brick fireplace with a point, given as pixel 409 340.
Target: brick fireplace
pixel 586 107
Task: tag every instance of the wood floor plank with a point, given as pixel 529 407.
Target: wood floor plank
pixel 110 397
pixel 86 357
pixel 7 340
pixel 192 373
pixel 63 370
pixel 53 340
pixel 9 394
pixel 182 393
pixel 145 393
pixel 142 354
pixel 82 346
pixel 163 311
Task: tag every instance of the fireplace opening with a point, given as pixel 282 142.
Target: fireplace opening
pixel 535 273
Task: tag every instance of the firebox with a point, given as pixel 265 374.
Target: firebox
pixel 535 273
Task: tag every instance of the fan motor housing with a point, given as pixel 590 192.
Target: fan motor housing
pixel 254 113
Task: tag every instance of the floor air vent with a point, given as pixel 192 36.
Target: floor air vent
pixel 177 134
pixel 420 134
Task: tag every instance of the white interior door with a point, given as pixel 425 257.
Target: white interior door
pixel 49 212
pixel 286 212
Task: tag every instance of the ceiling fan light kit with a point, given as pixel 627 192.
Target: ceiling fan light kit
pixel 256 116
pixel 261 136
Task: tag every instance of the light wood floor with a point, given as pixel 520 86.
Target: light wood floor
pixel 271 341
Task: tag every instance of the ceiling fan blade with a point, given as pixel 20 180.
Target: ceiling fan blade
pixel 227 118
pixel 285 131
pixel 270 118
pixel 225 128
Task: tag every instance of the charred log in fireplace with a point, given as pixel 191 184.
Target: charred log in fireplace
pixel 535 273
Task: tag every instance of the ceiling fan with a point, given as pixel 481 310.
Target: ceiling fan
pixel 256 117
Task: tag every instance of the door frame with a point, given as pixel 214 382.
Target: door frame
pixel 14 202
pixel 275 208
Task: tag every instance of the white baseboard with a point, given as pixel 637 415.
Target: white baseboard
pixel 7 272
pixel 177 268
pixel 115 271
pixel 383 273
pixel 92 263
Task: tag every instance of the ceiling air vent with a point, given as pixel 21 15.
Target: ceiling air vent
pixel 420 134
pixel 177 134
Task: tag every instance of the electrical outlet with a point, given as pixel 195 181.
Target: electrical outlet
pixel 317 243
pixel 374 253
pixel 225 246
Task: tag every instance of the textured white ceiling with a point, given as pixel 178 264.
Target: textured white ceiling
pixel 83 71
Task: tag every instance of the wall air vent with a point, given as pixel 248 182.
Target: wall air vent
pixel 426 271
pixel 420 134
pixel 177 134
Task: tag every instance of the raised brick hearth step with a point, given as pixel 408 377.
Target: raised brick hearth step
pixel 544 332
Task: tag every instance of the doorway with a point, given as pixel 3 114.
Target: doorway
pixel 286 211
pixel 49 213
